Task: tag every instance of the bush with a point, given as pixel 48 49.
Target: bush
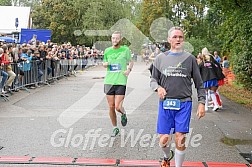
pixel 198 44
pixel 239 41
pixel 243 68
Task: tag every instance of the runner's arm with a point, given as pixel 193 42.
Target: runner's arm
pixel 198 82
pixel 105 59
pixel 155 76
pixel 130 66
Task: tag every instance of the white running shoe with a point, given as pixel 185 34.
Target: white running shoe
pixel 215 108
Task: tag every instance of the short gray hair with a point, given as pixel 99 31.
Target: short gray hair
pixel 174 28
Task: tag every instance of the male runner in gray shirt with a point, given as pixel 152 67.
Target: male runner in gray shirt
pixel 171 78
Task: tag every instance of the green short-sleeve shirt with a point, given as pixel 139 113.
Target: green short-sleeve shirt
pixel 118 60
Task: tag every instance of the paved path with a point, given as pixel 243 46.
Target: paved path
pixel 70 119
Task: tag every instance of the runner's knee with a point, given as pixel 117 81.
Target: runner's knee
pixel 180 141
pixel 112 106
pixel 118 108
pixel 164 140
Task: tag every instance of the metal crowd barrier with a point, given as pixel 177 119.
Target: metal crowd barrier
pixel 36 72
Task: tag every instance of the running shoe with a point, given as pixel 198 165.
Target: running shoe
pixel 115 132
pixel 124 119
pixel 166 161
pixel 216 108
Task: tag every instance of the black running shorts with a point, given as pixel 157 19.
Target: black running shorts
pixel 114 89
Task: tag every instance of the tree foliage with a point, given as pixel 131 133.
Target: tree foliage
pixel 26 3
pixel 64 17
pixel 224 26
pixel 238 42
pixel 5 2
pixel 188 14
pixel 199 44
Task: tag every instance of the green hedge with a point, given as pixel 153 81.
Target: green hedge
pixel 238 40
pixel 198 44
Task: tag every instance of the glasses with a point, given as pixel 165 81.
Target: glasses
pixel 177 37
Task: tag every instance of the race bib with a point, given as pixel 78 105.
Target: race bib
pixel 115 67
pixel 172 104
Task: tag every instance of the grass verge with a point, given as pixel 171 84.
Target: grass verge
pixel 237 93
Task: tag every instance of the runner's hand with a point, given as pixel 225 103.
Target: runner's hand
pixel 127 72
pixel 105 64
pixel 161 92
pixel 201 110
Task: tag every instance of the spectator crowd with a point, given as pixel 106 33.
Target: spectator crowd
pixel 33 64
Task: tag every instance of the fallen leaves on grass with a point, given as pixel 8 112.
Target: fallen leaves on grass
pixel 237 94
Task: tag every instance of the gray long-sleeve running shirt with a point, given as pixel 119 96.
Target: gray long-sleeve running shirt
pixel 173 72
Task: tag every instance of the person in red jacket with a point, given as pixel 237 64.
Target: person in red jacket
pixel 7 60
pixel 2 73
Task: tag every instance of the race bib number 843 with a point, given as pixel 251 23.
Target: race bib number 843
pixel 172 104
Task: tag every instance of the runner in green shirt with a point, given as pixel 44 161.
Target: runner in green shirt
pixel 117 60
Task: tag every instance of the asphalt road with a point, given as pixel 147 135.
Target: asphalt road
pixel 70 119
